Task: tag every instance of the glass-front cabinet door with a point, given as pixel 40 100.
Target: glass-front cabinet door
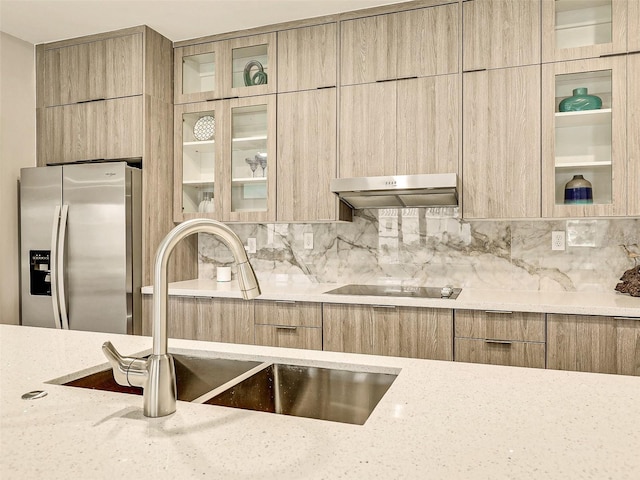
pixel 250 166
pixel 250 65
pixel 584 125
pixel 199 138
pixel 574 29
pixel 196 75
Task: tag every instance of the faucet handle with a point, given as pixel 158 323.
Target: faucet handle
pixel 127 371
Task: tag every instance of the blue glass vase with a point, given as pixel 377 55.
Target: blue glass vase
pixel 581 100
pixel 578 191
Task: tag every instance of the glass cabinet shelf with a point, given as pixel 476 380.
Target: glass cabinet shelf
pixel 581 23
pixel 587 117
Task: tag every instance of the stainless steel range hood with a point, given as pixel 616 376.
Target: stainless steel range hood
pixel 398 191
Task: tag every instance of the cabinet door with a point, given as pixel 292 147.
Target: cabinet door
pixel 103 130
pixel 306 155
pixel 200 131
pixel 500 33
pixel 248 66
pixel 590 143
pixel 425 145
pixel 289 337
pixel 633 133
pixel 427 41
pixel 500 325
pixel 225 320
pixel 182 317
pixel 368 49
pixel 628 345
pixel 249 160
pixel 573 30
pixel 368 130
pixel 633 41
pixel 426 333
pixel 307 58
pixel 347 328
pixel 290 314
pixel 123 66
pixel 501 143
pixel 197 72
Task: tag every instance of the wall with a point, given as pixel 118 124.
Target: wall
pixel 432 247
pixel 17 150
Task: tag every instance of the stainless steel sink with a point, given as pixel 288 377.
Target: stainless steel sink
pixel 312 392
pixel 195 376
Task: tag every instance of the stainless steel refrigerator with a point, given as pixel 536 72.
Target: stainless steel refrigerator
pixel 81 247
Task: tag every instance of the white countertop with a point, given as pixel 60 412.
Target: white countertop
pixel 440 420
pixel 584 303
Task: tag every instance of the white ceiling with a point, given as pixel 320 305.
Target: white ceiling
pixel 40 21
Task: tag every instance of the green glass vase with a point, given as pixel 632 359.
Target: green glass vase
pixel 581 100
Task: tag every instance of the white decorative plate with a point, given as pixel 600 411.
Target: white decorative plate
pixel 204 128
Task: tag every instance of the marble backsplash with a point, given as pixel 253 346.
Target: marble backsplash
pixel 433 247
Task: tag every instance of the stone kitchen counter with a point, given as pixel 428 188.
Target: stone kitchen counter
pixel 440 420
pixel 577 303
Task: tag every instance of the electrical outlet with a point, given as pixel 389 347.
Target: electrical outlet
pixel 557 240
pixel 308 241
pixel 251 245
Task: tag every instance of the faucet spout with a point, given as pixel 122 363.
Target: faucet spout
pixel 159 379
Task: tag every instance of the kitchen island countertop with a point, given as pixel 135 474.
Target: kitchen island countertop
pixel 576 303
pixel 441 420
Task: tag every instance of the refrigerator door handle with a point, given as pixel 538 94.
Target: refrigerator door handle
pixel 62 233
pixel 54 266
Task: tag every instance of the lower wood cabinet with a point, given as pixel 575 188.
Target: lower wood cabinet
pixel 215 320
pixel 588 343
pixel 288 324
pixel 500 338
pixel 387 330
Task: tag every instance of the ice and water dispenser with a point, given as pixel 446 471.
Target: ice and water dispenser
pixel 40 272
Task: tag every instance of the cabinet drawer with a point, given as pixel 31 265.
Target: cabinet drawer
pixel 290 314
pixel 498 325
pixel 516 354
pixel 288 336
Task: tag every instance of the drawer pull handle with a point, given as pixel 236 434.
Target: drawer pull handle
pixel 287 302
pixel 383 306
pixel 285 327
pixel 498 311
pixel 627 318
pixel 499 342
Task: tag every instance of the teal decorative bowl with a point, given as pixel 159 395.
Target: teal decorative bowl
pixel 580 101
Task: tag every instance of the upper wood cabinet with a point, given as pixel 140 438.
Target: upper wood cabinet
pixel 633 26
pixel 633 133
pixel 500 33
pixel 238 67
pixel 388 330
pixel 307 160
pixel 574 29
pixel 388 128
pixel 590 143
pixel 93 70
pixel 501 143
pixel 307 58
pixel 593 344
pixel 408 44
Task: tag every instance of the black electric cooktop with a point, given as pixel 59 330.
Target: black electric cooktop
pixel 397 291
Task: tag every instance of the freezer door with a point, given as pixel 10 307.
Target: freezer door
pixel 97 278
pixel 40 196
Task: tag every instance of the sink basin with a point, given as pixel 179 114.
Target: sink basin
pixel 195 376
pixel 312 392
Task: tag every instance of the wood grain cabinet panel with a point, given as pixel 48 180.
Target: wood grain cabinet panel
pixel 307 156
pixel 633 132
pixel 388 330
pixel 500 33
pixel 597 344
pixel 289 337
pixel 368 130
pixel 427 41
pixel 368 49
pixel 425 145
pixel 307 58
pixel 515 354
pixel 93 70
pixel 633 40
pixel 501 149
pixel 500 325
pixel 286 313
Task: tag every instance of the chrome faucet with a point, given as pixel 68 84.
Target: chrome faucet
pixel 156 374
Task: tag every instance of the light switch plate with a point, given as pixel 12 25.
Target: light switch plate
pixel 308 241
pixel 251 245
